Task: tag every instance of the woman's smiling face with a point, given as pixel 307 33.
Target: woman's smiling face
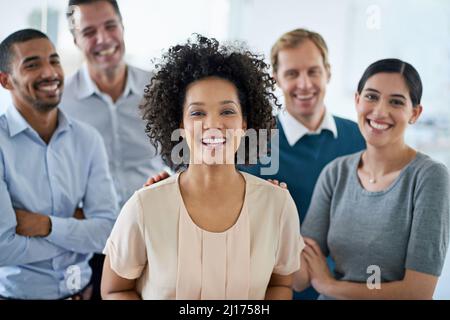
pixel 213 121
pixel 384 109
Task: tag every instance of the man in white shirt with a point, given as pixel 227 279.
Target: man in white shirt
pixel 310 136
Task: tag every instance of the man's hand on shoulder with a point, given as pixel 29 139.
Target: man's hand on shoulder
pixel 159 177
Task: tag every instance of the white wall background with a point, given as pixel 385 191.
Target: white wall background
pixel 358 32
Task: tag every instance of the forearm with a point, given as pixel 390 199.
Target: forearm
pixel 81 236
pixel 278 293
pixel 388 290
pixel 122 295
pixel 19 250
pixel 301 277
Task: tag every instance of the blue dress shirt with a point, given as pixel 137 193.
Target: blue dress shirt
pixel 132 159
pixel 52 179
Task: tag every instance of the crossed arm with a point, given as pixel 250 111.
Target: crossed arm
pixel 30 224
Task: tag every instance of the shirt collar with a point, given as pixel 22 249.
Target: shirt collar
pixel 87 87
pixel 294 130
pixel 18 124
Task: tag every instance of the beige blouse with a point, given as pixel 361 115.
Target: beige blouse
pixel 155 241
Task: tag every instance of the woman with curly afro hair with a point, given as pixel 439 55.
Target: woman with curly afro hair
pixel 209 231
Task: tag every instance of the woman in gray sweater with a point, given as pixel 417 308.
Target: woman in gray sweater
pixel 381 214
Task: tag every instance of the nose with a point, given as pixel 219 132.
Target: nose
pixel 380 109
pixel 102 36
pixel 303 81
pixel 49 71
pixel 213 122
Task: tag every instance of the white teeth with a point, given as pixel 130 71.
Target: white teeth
pixel 378 126
pixel 107 52
pixel 48 88
pixel 303 97
pixel 214 141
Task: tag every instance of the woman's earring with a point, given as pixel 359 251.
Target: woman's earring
pixel 411 122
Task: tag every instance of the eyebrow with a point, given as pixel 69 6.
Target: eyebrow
pixel 87 29
pixel 35 58
pixel 110 21
pixel 396 95
pixel 29 59
pixel 199 104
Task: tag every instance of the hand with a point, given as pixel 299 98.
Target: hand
pixel 283 185
pixel 320 275
pixel 79 214
pixel 159 177
pixel 31 224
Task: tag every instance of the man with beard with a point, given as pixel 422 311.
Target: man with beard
pixel 49 165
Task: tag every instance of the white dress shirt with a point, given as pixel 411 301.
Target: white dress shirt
pixel 294 130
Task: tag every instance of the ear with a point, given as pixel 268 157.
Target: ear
pixel 357 97
pixel 417 111
pixel 75 42
pixel 328 70
pixel 5 81
pixel 274 75
pixel 244 125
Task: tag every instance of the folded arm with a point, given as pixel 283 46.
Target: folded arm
pixel 99 207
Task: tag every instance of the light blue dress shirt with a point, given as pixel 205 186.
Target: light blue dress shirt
pixel 52 179
pixel 132 159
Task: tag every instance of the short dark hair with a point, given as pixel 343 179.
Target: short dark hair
pixel 6 53
pixel 181 65
pixel 70 12
pixel 409 73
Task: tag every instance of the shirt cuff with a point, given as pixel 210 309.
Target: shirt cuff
pixel 60 229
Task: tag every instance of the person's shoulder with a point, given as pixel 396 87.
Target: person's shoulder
pixel 159 189
pixel 264 186
pixel 346 124
pixel 139 73
pixel 138 70
pixel 70 101
pixel 345 121
pixel 71 82
pixel 425 166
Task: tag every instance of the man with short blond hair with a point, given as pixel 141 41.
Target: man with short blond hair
pixel 310 136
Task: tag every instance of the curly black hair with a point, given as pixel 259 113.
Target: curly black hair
pixel 202 57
